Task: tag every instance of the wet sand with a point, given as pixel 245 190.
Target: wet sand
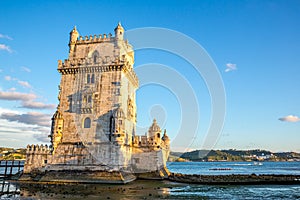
pixel 139 189
pixel 143 189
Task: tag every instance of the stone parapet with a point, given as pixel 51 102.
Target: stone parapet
pixel 95 39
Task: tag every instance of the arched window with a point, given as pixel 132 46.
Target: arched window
pixel 93 78
pixel 87 123
pixel 84 99
pixel 88 78
pixel 95 56
pixel 90 99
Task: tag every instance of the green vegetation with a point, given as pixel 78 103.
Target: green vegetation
pixel 234 155
pixel 12 154
pixel 198 155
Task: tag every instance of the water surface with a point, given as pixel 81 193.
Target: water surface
pixel 150 189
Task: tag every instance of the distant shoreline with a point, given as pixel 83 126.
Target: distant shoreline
pixel 233 155
pixel 220 161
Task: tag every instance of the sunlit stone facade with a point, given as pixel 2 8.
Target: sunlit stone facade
pixel 94 128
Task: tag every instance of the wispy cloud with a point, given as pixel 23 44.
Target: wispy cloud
pixel 12 89
pixel 25 69
pixel 230 67
pixel 5 37
pixel 5 48
pixel 20 82
pixel 37 105
pixel 18 131
pixel 290 118
pixel 27 99
pixel 16 96
pixel 42 137
pixel 24 84
pixel 31 118
pixel 7 78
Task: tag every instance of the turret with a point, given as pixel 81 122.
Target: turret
pixel 117 126
pixel 154 135
pixel 56 129
pixel 165 138
pixel 119 32
pixel 73 38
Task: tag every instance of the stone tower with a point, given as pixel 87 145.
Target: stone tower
pixel 94 126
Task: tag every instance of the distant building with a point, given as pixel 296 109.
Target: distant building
pixel 93 131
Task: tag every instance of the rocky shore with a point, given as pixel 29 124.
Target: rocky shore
pixel 235 179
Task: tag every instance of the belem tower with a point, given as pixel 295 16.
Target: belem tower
pixel 93 134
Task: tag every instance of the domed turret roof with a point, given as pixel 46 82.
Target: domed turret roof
pixel 57 115
pixel 165 136
pixel 119 27
pixel 154 127
pixel 74 30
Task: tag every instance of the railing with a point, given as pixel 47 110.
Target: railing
pixel 8 168
pixel 9 190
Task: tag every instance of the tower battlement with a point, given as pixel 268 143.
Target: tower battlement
pixel 94 127
pixel 38 149
pixel 94 39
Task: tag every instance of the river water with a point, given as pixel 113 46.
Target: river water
pixel 146 189
pixel 222 168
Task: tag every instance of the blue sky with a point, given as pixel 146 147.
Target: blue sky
pixel 254 44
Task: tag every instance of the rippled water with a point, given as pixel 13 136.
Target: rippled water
pixel 218 168
pixel 147 189
pixel 236 192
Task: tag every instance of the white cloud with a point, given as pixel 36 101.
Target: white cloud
pixel 7 78
pixel 4 110
pixel 5 48
pixel 16 96
pixel 42 137
pixel 230 67
pixel 30 118
pixel 24 84
pixel 5 37
pixel 25 69
pixel 37 105
pixel 27 99
pixel 12 89
pixel 290 118
pixel 16 134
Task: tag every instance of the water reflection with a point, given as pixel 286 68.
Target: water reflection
pixel 9 190
pixel 146 189
pixel 141 189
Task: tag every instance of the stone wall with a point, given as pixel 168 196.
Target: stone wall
pixel 37 156
pixel 94 127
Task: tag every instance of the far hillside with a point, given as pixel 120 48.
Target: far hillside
pixel 12 154
pixel 234 155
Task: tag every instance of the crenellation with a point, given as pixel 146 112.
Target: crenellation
pixel 83 40
pixel 94 126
